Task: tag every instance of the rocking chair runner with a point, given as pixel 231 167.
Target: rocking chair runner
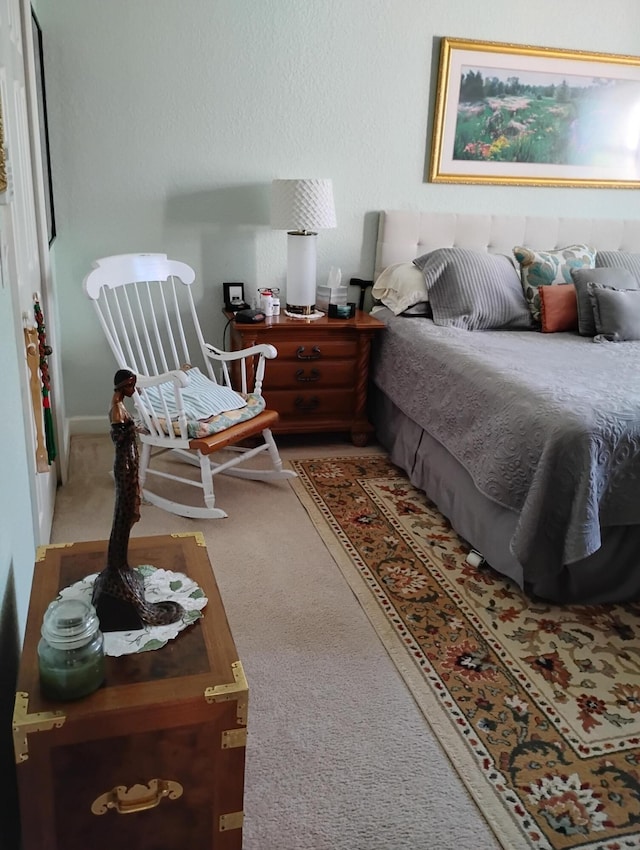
pixel 146 308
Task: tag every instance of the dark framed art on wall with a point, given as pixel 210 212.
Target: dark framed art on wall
pixel 44 126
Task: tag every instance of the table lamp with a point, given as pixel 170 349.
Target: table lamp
pixel 302 207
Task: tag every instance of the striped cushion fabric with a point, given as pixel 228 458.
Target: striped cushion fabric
pixel 474 290
pixel 201 398
pixel 619 260
pixel 198 428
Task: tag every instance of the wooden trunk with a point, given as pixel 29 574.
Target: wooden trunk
pixel 153 760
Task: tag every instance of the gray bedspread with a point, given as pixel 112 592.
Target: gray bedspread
pixel 547 425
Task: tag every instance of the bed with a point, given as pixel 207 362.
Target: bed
pixel 527 441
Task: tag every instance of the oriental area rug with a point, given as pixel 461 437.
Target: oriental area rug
pixel 536 705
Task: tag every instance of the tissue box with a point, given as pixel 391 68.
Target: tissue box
pixel 323 297
pixel 326 295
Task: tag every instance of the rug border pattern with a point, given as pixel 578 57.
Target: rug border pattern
pixel 580 748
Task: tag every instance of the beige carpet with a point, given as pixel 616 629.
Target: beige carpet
pixel 339 755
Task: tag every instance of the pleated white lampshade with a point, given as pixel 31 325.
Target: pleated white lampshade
pixel 302 207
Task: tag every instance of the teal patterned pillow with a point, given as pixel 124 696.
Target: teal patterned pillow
pixel 546 268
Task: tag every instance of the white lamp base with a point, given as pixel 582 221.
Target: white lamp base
pixel 301 273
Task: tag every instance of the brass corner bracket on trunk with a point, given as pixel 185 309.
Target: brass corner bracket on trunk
pixel 232 738
pixel 25 723
pixel 236 690
pixel 41 551
pixel 232 820
pixel 198 535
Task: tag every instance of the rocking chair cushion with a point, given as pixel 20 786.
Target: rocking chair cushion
pixel 198 428
pixel 202 397
pixel 255 404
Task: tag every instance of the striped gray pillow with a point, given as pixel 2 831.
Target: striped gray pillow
pixel 474 290
pixel 619 260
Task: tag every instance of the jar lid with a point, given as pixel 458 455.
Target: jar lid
pixel 69 623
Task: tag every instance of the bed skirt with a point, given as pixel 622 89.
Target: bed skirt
pixel 612 574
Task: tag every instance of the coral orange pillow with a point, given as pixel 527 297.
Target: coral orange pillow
pixel 558 308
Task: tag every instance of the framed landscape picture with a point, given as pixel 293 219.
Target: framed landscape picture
pixel 522 115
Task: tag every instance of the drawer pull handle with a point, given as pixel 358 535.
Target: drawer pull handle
pixel 315 353
pixel 137 798
pixel 314 375
pixel 307 404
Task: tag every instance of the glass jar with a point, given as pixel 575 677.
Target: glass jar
pixel 71 650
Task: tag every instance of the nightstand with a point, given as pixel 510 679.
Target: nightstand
pixel 319 380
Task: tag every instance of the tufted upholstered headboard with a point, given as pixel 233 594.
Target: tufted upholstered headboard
pixel 404 235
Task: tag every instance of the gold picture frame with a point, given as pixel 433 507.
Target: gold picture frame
pixel 521 115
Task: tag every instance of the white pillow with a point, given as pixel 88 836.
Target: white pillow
pixel 400 286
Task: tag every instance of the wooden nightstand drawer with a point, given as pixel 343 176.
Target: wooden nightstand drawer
pixel 285 374
pixel 316 349
pixel 310 403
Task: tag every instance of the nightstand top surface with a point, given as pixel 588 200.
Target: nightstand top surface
pixel 361 321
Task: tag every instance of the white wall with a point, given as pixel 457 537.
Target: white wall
pixel 17 541
pixel 17 549
pixel 169 120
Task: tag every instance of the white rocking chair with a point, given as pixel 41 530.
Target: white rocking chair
pixel 146 308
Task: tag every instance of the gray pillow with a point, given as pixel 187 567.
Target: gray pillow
pixel 474 290
pixel 619 260
pixel 616 313
pixel 617 278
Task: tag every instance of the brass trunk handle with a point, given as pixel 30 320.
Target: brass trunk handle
pixel 138 798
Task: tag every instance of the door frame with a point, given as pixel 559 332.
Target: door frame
pixel 26 260
pixel 49 304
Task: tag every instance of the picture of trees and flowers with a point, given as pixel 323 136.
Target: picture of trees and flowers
pixel 533 115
